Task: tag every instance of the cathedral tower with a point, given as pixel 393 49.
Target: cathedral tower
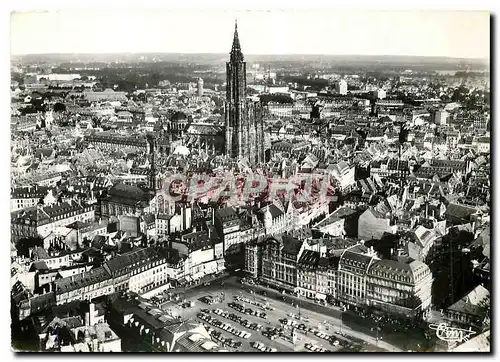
pixel 243 118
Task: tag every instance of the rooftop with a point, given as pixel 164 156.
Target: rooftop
pixel 472 303
pixel 335 216
pixel 82 280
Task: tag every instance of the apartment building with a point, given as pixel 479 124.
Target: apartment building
pixel 352 275
pixel 85 286
pixel 399 287
pixel 42 220
pixel 140 271
pixel 26 197
pixel 280 256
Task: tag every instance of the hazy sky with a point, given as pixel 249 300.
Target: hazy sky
pixel 427 33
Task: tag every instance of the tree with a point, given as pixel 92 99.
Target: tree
pixel 279 98
pixel 24 245
pixel 451 269
pixel 178 115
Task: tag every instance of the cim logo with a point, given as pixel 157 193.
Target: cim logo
pixel 450 334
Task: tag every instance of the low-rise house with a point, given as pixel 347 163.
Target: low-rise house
pixel 335 223
pixel 422 243
pixel 471 311
pixel 88 334
pixel 159 331
pixel 372 225
pixel 344 174
pixel 124 199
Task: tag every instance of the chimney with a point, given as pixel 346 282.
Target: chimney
pixel 92 316
pixel 87 319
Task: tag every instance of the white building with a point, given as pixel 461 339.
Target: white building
pixel 343 173
pixel 440 117
pixel 483 144
pixel 199 88
pixel 380 93
pixel 341 87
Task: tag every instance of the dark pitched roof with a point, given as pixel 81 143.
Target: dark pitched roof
pixel 82 280
pixel 78 225
pixel 149 218
pixel 472 302
pixel 42 302
pixel 338 214
pixel 275 211
pixel 225 214
pixel 29 192
pixel 460 211
pixel 127 194
pixel 309 258
pixel 301 234
pixel 39 265
pixel 356 257
pixel 291 245
pixel 395 270
pixel 196 240
pixel 128 261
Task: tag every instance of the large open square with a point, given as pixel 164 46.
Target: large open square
pixel 320 328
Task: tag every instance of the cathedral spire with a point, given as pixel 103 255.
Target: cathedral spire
pixel 236 54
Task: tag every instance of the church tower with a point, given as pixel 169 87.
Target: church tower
pixel 235 99
pixel 243 117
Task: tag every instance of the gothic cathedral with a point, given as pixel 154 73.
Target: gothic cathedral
pixel 244 125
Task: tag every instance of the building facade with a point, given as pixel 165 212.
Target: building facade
pixel 353 267
pixel 280 256
pixel 399 288
pixel 42 220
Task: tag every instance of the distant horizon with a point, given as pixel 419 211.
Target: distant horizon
pixel 417 33
pixel 254 55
